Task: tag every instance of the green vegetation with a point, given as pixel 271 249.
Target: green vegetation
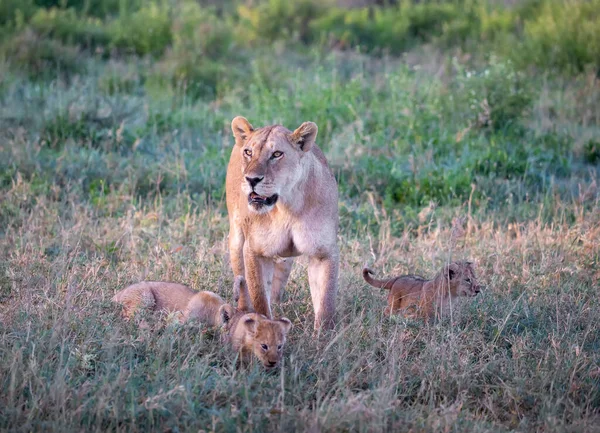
pixel 456 129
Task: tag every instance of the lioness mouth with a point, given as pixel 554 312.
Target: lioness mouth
pixel 259 200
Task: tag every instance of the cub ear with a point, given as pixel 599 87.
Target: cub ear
pixel 452 270
pixel 226 312
pixel 286 325
pixel 304 137
pixel 241 129
pixel 251 325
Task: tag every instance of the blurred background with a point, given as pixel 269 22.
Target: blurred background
pixel 433 101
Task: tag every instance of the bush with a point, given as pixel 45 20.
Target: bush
pixel 66 26
pixel 280 19
pixel 373 29
pixel 497 97
pixel 564 35
pixel 13 13
pixel 96 8
pixel 201 52
pixel 146 31
pixel 41 57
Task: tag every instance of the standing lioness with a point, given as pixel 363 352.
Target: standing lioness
pixel 282 201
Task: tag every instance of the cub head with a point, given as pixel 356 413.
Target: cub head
pixel 463 281
pixel 267 337
pixel 271 161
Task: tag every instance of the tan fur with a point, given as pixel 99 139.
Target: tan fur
pixel 251 333
pixel 205 307
pixel 415 296
pixel 264 235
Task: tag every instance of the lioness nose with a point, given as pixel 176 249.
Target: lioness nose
pixel 272 363
pixel 253 181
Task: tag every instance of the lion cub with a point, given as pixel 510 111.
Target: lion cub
pixel 251 333
pixel 205 307
pixel 416 296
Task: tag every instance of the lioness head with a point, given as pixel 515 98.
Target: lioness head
pixel 463 281
pixel 271 161
pixel 267 337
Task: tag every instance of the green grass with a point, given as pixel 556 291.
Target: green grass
pixel 112 168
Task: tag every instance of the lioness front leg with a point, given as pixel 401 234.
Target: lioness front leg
pixel 259 276
pixel 236 249
pixel 322 277
pixel 283 268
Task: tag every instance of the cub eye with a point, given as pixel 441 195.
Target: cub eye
pixel 277 154
pixel 264 347
pixel 468 280
pixel 279 347
pixel 247 152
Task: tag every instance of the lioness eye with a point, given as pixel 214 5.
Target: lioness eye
pixel 468 280
pixel 277 154
pixel 264 347
pixel 279 347
pixel 247 152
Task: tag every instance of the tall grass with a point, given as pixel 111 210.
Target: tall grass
pixel 113 152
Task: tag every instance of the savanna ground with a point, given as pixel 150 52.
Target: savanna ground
pixel 456 130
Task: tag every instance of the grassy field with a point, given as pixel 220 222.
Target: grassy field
pixel 113 150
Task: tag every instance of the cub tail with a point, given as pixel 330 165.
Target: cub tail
pixel 380 284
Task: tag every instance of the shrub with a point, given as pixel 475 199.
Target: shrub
pixel 591 152
pixel 497 97
pixel 201 50
pixel 97 8
pixel 14 13
pixel 145 31
pixel 564 35
pixel 280 19
pixel 41 57
pixel 66 26
pixel 373 29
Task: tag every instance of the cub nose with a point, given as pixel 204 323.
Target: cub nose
pixel 253 181
pixel 271 363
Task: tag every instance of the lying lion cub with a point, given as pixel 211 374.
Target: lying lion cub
pixel 205 307
pixel 252 333
pixel 416 296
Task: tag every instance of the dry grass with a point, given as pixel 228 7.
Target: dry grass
pixel 136 193
pixel 523 355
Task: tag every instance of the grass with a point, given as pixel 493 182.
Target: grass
pixel 112 171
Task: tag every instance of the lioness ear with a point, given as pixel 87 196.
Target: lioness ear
pixel 286 325
pixel 226 312
pixel 241 129
pixel 304 137
pixel 251 325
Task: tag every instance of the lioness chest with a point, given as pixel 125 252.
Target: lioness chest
pixel 277 238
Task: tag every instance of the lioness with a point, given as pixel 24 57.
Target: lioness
pixel 416 296
pixel 252 333
pixel 282 202
pixel 206 307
